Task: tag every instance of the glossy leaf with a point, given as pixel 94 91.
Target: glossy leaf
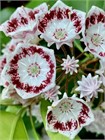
pixel 5 14
pixel 12 127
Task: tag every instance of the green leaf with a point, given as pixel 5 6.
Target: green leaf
pixel 52 135
pixel 5 14
pixel 84 5
pixel 12 127
pixel 13 109
pixel 35 3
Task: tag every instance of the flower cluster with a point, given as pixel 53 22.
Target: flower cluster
pixel 30 71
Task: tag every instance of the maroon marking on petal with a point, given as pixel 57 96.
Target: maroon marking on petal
pixel 102 54
pixel 87 22
pixel 101 18
pixel 13 71
pixel 77 24
pixel 83 114
pixel 56 14
pixel 12 25
pixel 66 13
pixel 6 84
pixel 70 125
pixel 31 15
pixel 60 14
pixel 93 19
pixel 12 48
pixel 2 64
pixel 49 117
pixel 36 12
pixel 74 16
pixel 24 20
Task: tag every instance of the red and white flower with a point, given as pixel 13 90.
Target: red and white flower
pixel 23 23
pixel 68 116
pixel 89 86
pixel 61 24
pixel 31 70
pixel 94 35
pixel 70 65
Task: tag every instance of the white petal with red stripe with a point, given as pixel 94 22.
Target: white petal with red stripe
pixel 68 116
pixel 31 70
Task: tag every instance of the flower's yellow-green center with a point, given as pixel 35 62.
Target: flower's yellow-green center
pixel 65 107
pixel 60 34
pixel 97 40
pixel 34 70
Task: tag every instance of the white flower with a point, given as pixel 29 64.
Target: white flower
pixel 61 25
pixel 70 65
pixel 52 94
pixel 89 86
pixel 98 126
pixel 68 115
pixel 94 34
pixel 31 70
pixel 23 23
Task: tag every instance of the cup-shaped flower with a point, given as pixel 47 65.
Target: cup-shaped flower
pixel 68 116
pixel 94 34
pixel 31 70
pixel 89 86
pixel 70 65
pixel 61 24
pixel 23 23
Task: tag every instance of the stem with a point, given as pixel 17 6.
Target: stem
pixel 64 51
pixel 87 5
pixel 15 121
pixel 32 124
pixel 59 60
pixel 80 48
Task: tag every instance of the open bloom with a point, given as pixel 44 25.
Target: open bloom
pixel 61 24
pixel 31 70
pixel 89 86
pixel 70 65
pixel 94 35
pixel 68 115
pixel 23 23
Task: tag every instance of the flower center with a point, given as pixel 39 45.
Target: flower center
pixel 65 107
pixel 34 70
pixel 60 34
pixel 97 40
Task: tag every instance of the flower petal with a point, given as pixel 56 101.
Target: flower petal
pixel 94 33
pixel 61 24
pixel 64 116
pixel 31 70
pixel 22 22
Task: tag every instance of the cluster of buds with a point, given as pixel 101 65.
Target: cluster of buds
pixel 31 70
